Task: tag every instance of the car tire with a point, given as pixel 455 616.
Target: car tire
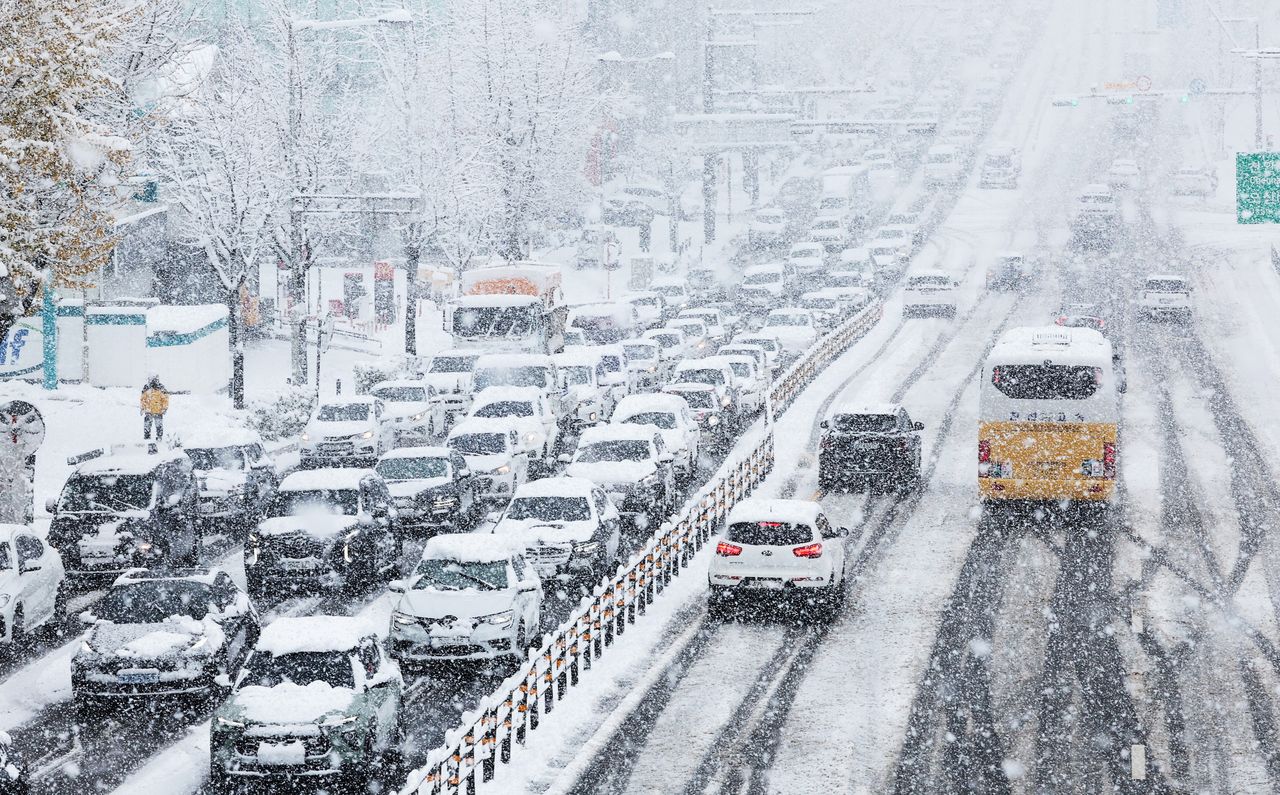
pixel 18 640
pixel 53 627
pixel 219 782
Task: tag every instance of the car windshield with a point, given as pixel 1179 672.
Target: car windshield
pixel 639 353
pixel 928 281
pixel 668 340
pixel 787 320
pixel 767 277
pixel 999 161
pixel 662 419
pixel 343 412
pixel 698 399
pixel 300 668
pixel 865 423
pixel 505 408
pixel 1166 286
pixel 941 158
pixel 820 303
pixel 479 443
pixel 217 457
pixel 494 321
pixel 611 363
pixel 769 534
pixel 833 203
pixel 152 602
pixel 702 375
pixel 827 223
pixel 741 369
pixel 806 251
pixel 345 502
pixel 452 364
pixel 1046 381
pixel 413 468
pixel 531 375
pixel 669 290
pixel 768 343
pixel 550 509
pixel 459 575
pixel 576 375
pixel 106 493
pixel 401 394
pixel 613 450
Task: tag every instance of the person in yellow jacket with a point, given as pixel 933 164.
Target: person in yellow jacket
pixel 155 402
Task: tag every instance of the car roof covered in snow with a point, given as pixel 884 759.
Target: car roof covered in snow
pixel 645 341
pixel 579 356
pixel 326 478
pixel 1165 277
pixel 688 386
pixel 456 352
pixel 497 299
pixel 619 432
pixel 200 574
pixel 209 438
pixel 485 425
pixel 768 267
pixel 495 394
pixel 514 360
pixel 865 409
pixel 129 460
pixel 347 400
pixel 632 405
pixel 803 512
pixel 400 382
pixel 563 486
pixel 467 548
pixel 1063 345
pixel 432 451
pixel 294 634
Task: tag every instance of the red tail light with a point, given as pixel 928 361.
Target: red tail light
pixel 808 551
pixel 1108 460
pixel 984 451
pixel 727 550
pixel 1062 320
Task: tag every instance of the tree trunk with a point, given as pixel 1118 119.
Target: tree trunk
pixel 412 254
pixel 235 339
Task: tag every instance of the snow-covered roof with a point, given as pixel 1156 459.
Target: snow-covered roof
pixel 184 319
pixel 631 405
pixel 688 386
pixel 201 574
pixel 133 461
pixel 467 548
pixel 620 312
pixel 208 437
pixel 401 382
pixel 716 362
pixel 741 347
pixel 495 394
pixel 663 332
pixel 418 452
pixel 513 360
pixel 293 634
pixel 641 295
pixel 555 487
pixel 1060 344
pixel 617 433
pixel 770 267
pixel 645 341
pixel 803 512
pixel 579 356
pixel 681 322
pixel 326 478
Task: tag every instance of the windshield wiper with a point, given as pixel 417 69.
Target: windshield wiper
pixel 488 585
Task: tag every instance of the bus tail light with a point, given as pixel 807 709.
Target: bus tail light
pixel 984 451
pixel 1109 460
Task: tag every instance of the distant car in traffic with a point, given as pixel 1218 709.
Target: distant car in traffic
pixel 670 414
pixel 410 408
pixel 1082 315
pixel 1166 295
pixel 929 292
pixel 568 527
pixel 432 488
pixel 235 474
pixel 874 446
pixel 346 431
pixel 634 467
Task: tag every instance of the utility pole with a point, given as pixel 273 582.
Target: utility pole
pixel 709 160
pixel 297 294
pixel 412 255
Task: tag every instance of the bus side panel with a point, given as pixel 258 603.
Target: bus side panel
pixel 1046 461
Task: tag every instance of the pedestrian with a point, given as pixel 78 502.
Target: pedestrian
pixel 155 402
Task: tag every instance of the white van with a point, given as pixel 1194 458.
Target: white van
pixel 1166 295
pixel 943 165
pixel 929 292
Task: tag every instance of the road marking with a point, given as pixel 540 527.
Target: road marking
pixel 1138 762
pixel 1135 622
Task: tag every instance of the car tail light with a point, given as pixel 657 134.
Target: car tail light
pixel 1108 460
pixel 726 550
pixel 1062 320
pixel 984 451
pixel 808 551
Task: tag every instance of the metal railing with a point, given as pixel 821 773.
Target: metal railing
pixel 472 752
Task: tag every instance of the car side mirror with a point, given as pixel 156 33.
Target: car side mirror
pixel 51 505
pixel 528 587
pixel 564 458
pixel 824 424
pixel 398 586
pixel 26 567
pixel 173 500
pixel 464 473
pixel 88 619
pixel 917 426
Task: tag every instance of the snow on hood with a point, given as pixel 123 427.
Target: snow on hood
pixel 406 408
pixel 527 531
pixel 409 488
pixel 485 463
pixel 469 603
pixel 150 641
pixel 349 428
pixel 319 525
pixel 288 703
pixel 448 382
pixel 605 473
pixel 221 479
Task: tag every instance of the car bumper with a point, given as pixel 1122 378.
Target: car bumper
pixel 360 452
pixel 1002 489
pixel 415 643
pixel 779 583
pixel 98 685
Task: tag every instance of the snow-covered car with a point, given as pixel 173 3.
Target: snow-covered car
pixel 671 416
pixel 325 528
pixel 607 322
pixel 807 258
pixel 432 488
pixel 854 260
pixel 1010 270
pixel 829 231
pixel 943 165
pixel 751 381
pixel 1165 295
pixel 650 308
pixel 768 227
pixel 929 292
pixel 162 633
pixel 717 328
pixel 525 370
pixel 1097 201
pixel 615 377
pixel 899 236
pixel 33 591
pixel 706 404
pixel 524 403
pixel 1194 181
pixel 1001 168
pixel 410 409
pixel 471 597
pixel 496 455
pixel 449 375
pixel 674 295
pixel 715 371
pixel 590 251
pixel 793 327
pixel 1124 174
pixel 318 701
pixel 346 431
pixel 696 340
pixel 886 256
pixel 772 348
pixel 849 297
pixel 826 308
pixel 778 549
pixel 962 135
pixel 1082 315
pixel 582 381
pixel 568 528
pixel 764 285
pixel 124 507
pixel 633 466
pixel 644 362
pixel 671 343
pixel 911 221
pixel 235 475
pixel 878 445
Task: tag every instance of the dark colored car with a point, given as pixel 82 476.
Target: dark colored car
pixel 235 475
pixel 162 634
pixel 1082 316
pixel 125 508
pixel 878 446
pixel 432 488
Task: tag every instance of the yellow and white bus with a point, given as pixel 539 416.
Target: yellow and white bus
pixel 1047 417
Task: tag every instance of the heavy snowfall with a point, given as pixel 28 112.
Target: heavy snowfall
pixel 607 396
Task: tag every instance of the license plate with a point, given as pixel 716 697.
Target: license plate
pixel 282 754
pixel 450 640
pixel 305 564
pixel 863 445
pixel 769 585
pixel 139 677
pixel 1166 300
pixel 334 448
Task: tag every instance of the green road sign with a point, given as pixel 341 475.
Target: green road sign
pixel 1258 188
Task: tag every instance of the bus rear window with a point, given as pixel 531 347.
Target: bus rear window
pixel 1046 381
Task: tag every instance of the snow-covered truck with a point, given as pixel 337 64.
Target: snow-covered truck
pixel 517 307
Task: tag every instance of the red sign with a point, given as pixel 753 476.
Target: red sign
pixel 383 271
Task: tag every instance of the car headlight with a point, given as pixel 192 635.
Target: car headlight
pixel 502 470
pixel 502 619
pixel 306 437
pixel 367 435
pixel 404 619
pixel 418 416
pixel 713 420
pixel 342 722
pixel 724 401
pixel 586 547
pixel 234 724
pixel 593 416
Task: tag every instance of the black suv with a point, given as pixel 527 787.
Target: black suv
pixel 878 446
pixel 123 508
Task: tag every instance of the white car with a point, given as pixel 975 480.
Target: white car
pixel 1001 168
pixel 471 597
pixel 943 165
pixel 449 375
pixel 826 308
pixel 900 236
pixel 649 306
pixel 645 365
pixel 671 416
pixel 633 466
pixel 671 343
pixel 829 231
pixel 763 285
pixel 346 430
pixel 31 584
pixel 781 549
pixel 794 328
pixel 752 384
pixel 767 228
pixel 929 292
pixel 410 409
pixel 717 329
pixel 496 455
pixel 1193 181
pixel 1124 173
pixel 772 347
pixel 673 292
pixel 807 258
pixel 1096 201
pixel 582 381
pixel 568 527
pixel 886 255
pixel 764 365
pixel 909 220
pixel 1166 295
pixel 525 403
pixel 695 335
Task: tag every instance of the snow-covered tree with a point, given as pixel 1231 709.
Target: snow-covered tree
pixel 59 161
